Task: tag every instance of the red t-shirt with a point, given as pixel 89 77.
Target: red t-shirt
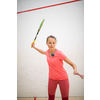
pixel 56 70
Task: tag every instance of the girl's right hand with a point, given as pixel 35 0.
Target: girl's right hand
pixel 33 45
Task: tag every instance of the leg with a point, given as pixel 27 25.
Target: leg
pixel 64 88
pixel 52 85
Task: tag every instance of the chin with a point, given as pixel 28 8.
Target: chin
pixel 51 48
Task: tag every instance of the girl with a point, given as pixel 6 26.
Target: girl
pixel 57 74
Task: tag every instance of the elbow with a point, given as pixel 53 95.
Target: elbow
pixel 43 52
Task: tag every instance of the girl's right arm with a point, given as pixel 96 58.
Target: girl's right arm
pixel 39 50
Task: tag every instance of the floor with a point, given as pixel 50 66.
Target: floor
pixel 70 98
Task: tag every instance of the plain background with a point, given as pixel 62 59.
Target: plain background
pixel 8 52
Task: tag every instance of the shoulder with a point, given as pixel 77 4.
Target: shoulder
pixel 59 51
pixel 61 54
pixel 46 52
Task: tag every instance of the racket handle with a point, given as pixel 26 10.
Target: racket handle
pixel 33 43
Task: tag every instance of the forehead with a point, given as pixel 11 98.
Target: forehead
pixel 51 40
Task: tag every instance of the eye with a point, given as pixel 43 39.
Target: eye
pixel 53 43
pixel 49 42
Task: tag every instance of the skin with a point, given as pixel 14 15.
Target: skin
pixel 51 43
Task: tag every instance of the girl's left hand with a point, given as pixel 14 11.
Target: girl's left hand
pixel 76 73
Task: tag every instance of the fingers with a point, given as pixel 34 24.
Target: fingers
pixel 32 45
pixel 82 76
pixel 76 73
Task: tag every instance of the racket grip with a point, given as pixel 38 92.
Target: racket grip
pixel 33 43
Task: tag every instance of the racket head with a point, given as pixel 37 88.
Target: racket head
pixel 41 23
pixel 38 31
pixel 39 28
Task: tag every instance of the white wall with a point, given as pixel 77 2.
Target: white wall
pixel 66 23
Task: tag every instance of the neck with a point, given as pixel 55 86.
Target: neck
pixel 52 50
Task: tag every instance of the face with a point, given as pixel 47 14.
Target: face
pixel 51 43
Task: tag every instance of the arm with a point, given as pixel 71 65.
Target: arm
pixel 73 66
pixel 39 50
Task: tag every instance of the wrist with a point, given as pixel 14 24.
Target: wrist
pixel 34 47
pixel 75 68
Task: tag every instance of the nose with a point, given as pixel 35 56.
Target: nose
pixel 51 44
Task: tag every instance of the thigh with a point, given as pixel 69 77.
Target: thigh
pixel 64 87
pixel 52 85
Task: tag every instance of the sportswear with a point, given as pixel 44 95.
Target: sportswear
pixel 55 63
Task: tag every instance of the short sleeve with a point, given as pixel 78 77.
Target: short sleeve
pixel 62 55
pixel 47 52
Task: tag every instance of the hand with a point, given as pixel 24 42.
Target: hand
pixel 76 73
pixel 33 45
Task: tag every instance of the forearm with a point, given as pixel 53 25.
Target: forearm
pixel 39 50
pixel 74 67
pixel 76 72
pixel 70 63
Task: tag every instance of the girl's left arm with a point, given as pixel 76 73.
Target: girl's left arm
pixel 74 67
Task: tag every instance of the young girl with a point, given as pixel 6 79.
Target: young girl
pixel 57 74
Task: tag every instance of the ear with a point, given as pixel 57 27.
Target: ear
pixel 46 43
